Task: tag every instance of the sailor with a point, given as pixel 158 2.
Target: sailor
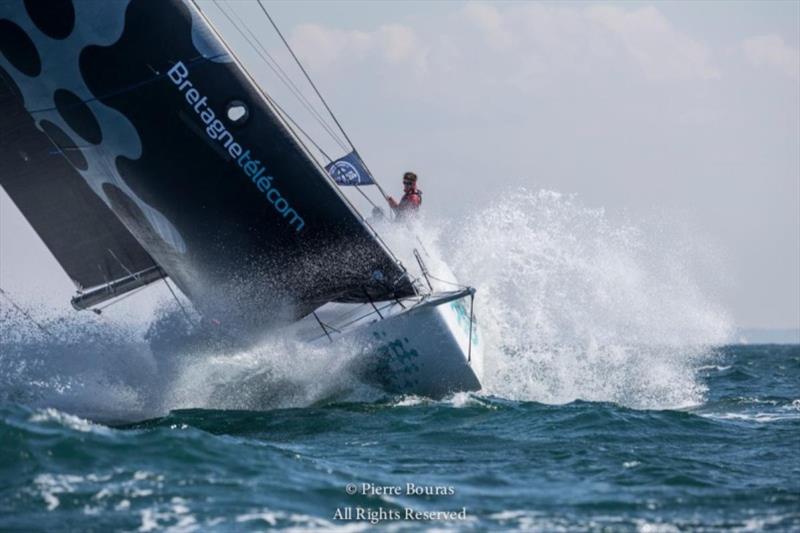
pixel 411 200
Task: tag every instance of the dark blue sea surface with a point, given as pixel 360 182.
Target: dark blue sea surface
pixel 731 462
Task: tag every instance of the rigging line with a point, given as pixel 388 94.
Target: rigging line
pixel 288 117
pixel 423 268
pixel 353 321
pixel 264 59
pixel 302 68
pixel 185 313
pixel 313 85
pixel 375 307
pixel 358 188
pixel 131 274
pixel 322 326
pixel 25 313
pixel 280 73
pixel 287 81
pixel 459 285
pixel 299 140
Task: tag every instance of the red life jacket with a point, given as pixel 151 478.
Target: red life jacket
pixel 410 201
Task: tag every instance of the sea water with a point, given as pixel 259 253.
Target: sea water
pixel 613 399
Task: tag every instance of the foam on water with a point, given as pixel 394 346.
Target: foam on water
pixel 570 305
pixel 280 372
pixel 108 372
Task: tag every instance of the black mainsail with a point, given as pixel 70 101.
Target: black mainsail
pixel 182 163
pixel 86 238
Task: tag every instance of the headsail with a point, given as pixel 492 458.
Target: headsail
pixel 167 129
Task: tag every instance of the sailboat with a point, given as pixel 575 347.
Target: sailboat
pixel 140 149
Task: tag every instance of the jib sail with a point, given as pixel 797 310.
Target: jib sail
pixel 168 131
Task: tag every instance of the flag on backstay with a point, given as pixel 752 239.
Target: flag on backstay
pixel 349 170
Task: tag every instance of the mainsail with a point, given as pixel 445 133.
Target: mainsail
pixel 86 238
pixel 169 134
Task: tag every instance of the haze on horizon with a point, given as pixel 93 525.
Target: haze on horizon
pixel 685 112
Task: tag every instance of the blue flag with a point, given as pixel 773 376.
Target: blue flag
pixel 349 170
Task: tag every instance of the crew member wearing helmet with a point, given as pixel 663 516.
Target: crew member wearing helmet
pixel 411 200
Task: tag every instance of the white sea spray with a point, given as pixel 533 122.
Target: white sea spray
pixel 570 305
pixel 575 306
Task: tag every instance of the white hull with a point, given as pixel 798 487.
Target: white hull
pixel 420 346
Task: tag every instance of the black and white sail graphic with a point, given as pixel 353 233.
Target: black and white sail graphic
pixel 87 239
pixel 142 102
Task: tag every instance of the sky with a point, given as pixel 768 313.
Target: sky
pixel 684 111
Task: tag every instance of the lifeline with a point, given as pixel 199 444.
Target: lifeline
pixel 216 130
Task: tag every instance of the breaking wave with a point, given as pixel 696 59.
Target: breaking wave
pixel 570 305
